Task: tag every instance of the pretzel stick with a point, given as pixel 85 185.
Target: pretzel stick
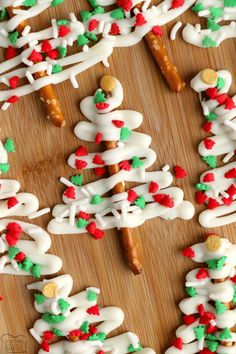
pixel 127 240
pixel 47 93
pixel 160 55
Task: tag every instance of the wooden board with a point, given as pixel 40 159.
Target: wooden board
pixel 150 300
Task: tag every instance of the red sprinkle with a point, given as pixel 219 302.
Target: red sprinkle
pixel 98 160
pixel 212 203
pixel 125 4
pixel 222 98
pixel 11 202
pixel 98 138
pixel 93 25
pixel 115 29
pixel 164 200
pixel 46 46
pixel 94 310
pixel 227 201
pixel 14 81
pixel 231 173
pixel 132 195
pixel 35 56
pixel 206 126
pixel 81 151
pixel 45 346
pixel 211 92
pixel 189 319
pixel 200 197
pixel 75 333
pixel 179 172
pixel 209 143
pixel 83 215
pixel 231 191
pixel 99 171
pixel 229 103
pixel 202 274
pixel 11 52
pixel 48 335
pixel 157 30
pixel 118 123
pixel 200 309
pixel 96 233
pixel 125 165
pixel 178 343
pixel 153 187
pixel 177 3
pixel 53 54
pixel 140 20
pixel 13 99
pixel 209 177
pixel 63 31
pixel 188 252
pixel 80 164
pixel 102 105
pixel 70 193
pixel 210 329
pixel 233 279
pixel 20 257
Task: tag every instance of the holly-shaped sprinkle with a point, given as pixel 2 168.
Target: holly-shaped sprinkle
pixel 210 161
pixel 96 199
pixel 62 51
pixel 13 37
pixel 91 295
pixel 140 202
pixel 9 145
pixel 40 298
pixel 77 180
pixel 229 3
pixel 191 291
pixel 179 172
pixel 93 3
pixel 63 304
pixel 118 14
pixel 198 7
pixel 85 15
pixel 213 26
pixel 4 167
pixel 199 332
pixel 56 68
pixel 216 12
pixel 3 14
pixel 125 133
pixel 93 310
pixel 99 97
pixel 216 264
pixel 26 265
pixel 98 10
pixel 81 223
pixel 56 2
pixel 220 307
pixel 225 334
pixel 212 345
pixel 202 187
pixel 70 193
pixel 132 349
pixel 188 252
pixel 85 327
pixel 211 116
pixel 202 274
pixel 12 252
pixel 137 162
pixel 82 40
pixel 57 332
pixel 36 270
pixel 208 42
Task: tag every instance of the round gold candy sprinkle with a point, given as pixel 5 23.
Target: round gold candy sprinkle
pixel 209 76
pixel 50 290
pixel 213 243
pixel 107 83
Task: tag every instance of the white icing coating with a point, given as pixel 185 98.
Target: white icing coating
pixel 135 145
pixel 215 11
pixel 106 320
pixel 34 249
pixel 24 203
pixel 208 305
pixel 74 64
pixel 3 154
pixel 223 142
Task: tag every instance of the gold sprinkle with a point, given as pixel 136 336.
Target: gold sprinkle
pixel 213 243
pixel 108 83
pixel 209 76
pixel 50 290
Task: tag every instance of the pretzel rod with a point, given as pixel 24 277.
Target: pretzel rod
pixel 128 242
pixel 47 93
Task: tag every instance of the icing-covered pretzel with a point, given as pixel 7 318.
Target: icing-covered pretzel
pixel 216 187
pixel 76 324
pixel 214 11
pixel 209 313
pixel 86 209
pixel 48 48
pixel 25 257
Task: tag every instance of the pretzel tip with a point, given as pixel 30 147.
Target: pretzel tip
pixel 136 267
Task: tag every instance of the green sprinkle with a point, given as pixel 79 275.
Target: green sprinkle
pixel 220 83
pixel 91 36
pixel 85 327
pixel 137 162
pixel 77 180
pixel 47 317
pixel 30 3
pixel 211 337
pixel 211 116
pixel 212 345
pixel 82 40
pixel 216 264
pixel 220 307
pixel 98 10
pixel 210 160
pixel 27 264
pixel 3 14
pixel 99 97
pixel 93 337
pixel 216 12
pixel 225 334
pixel 140 202
pixel 101 336
pixel 57 332
pixel 208 42
pixel 40 299
pixel 81 223
pixel 202 187
pixel 118 14
pixel 13 37
pixel 9 145
pixel 132 349
pixel 62 51
pixel 57 318
pixel 191 291
pixel 36 270
pixel 93 3
pixel 4 167
pixel 212 25
pixel 56 68
pixel 63 304
pixel 12 252
pixel 125 133
pixel 230 3
pixel 62 22
pixel 198 7
pixel 96 199
pixel 91 295
pixel 199 332
pixel 56 2
pixel 85 15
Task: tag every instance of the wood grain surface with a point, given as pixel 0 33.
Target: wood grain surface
pixel 173 120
